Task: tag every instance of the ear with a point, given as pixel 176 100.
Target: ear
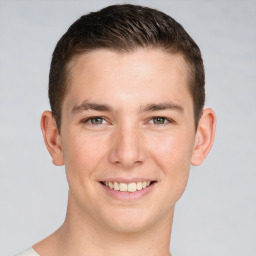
pixel 52 138
pixel 204 136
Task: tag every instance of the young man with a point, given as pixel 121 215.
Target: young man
pixel 127 94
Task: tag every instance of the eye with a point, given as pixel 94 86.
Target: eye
pixel 160 120
pixel 96 120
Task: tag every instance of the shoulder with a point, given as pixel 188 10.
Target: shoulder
pixel 28 252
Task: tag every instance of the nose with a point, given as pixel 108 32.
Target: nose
pixel 128 149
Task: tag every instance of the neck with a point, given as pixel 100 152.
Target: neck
pixel 81 235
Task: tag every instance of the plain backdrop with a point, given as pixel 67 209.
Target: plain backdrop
pixel 217 213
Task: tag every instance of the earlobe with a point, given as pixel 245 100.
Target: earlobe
pixel 52 137
pixel 204 136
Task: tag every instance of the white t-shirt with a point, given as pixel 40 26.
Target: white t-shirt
pixel 29 252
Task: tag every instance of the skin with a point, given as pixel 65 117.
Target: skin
pixel 127 142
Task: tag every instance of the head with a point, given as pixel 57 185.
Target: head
pixel 124 29
pixel 127 94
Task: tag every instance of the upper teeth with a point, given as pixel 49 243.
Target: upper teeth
pixel 130 187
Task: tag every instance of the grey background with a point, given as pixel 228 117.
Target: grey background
pixel 216 215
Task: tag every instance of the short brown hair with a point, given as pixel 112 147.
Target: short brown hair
pixel 124 28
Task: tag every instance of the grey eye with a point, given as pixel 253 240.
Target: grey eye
pixel 96 120
pixel 159 120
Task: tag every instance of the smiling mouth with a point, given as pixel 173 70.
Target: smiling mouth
pixel 127 187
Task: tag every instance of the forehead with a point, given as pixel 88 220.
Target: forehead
pixel 128 78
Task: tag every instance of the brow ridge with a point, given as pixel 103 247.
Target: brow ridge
pixel 86 105
pixel 162 106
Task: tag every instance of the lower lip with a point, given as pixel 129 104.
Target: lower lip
pixel 128 196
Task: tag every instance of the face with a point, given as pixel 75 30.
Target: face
pixel 127 124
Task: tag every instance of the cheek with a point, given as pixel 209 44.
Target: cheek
pixel 171 150
pixel 173 153
pixel 82 155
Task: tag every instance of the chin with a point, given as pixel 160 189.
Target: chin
pixel 128 221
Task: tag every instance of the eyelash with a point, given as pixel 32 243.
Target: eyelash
pixel 169 121
pixel 91 118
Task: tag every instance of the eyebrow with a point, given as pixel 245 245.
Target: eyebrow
pixel 162 106
pixel 86 105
